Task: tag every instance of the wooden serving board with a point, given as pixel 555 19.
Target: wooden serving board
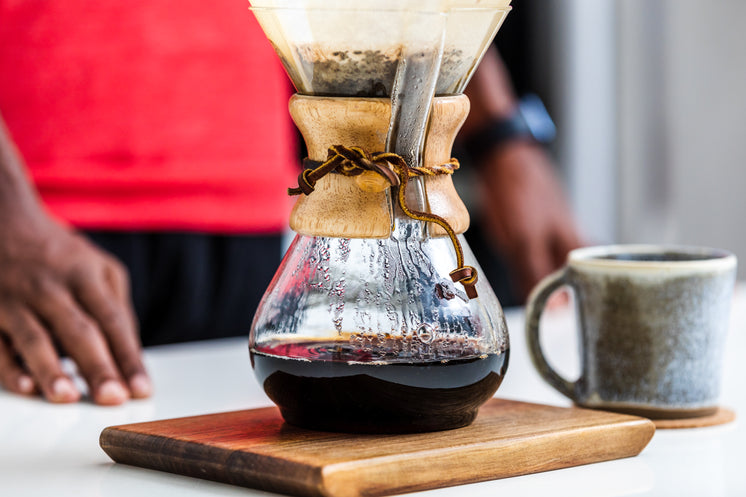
pixel 255 448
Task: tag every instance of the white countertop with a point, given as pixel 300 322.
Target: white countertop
pixel 52 450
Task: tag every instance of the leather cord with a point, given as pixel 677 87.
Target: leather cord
pixel 352 161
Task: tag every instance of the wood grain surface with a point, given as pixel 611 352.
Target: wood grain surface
pixel 255 448
pixel 720 417
pixel 340 206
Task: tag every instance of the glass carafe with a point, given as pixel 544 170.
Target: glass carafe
pixel 370 323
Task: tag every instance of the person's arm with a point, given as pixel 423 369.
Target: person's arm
pixel 58 290
pixel 523 205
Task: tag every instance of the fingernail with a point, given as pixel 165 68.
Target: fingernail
pixel 25 384
pixel 141 386
pixel 111 393
pixel 63 390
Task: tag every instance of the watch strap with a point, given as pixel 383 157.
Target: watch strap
pixel 528 122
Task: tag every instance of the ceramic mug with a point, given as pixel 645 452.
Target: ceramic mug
pixel 653 322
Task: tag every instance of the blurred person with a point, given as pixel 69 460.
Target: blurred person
pixel 524 227
pixel 160 130
pixel 144 160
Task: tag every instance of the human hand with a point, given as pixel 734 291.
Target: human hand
pixel 57 289
pixel 526 213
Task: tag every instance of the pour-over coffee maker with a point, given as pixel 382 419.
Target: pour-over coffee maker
pixel 377 319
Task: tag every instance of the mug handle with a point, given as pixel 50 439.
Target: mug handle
pixel 537 302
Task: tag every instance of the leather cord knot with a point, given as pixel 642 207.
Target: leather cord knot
pixel 352 161
pixel 306 184
pixel 468 277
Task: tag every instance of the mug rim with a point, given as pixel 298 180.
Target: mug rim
pixel 711 258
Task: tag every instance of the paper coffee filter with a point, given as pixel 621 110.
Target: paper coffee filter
pixel 425 5
pixel 352 47
pixel 469 31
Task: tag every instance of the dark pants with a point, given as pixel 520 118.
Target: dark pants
pixel 193 286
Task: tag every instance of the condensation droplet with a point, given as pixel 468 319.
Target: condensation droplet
pixel 425 333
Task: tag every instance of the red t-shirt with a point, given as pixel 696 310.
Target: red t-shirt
pixel 149 114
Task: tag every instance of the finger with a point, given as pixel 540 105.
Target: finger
pixel 115 319
pixel 32 342
pixel 558 300
pixel 86 345
pixel 12 377
pixel 117 278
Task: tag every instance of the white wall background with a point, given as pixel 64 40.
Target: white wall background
pixel 694 176
pixel 650 100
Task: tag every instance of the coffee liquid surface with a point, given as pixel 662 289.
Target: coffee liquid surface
pixel 336 386
pixel 657 257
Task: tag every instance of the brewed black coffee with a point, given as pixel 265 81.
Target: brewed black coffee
pixel 335 386
pixel 656 257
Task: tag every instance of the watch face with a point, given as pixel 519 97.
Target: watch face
pixel 537 118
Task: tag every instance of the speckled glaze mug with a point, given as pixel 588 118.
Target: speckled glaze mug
pixel 653 321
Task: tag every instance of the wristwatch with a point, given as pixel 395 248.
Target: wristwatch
pixel 530 121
